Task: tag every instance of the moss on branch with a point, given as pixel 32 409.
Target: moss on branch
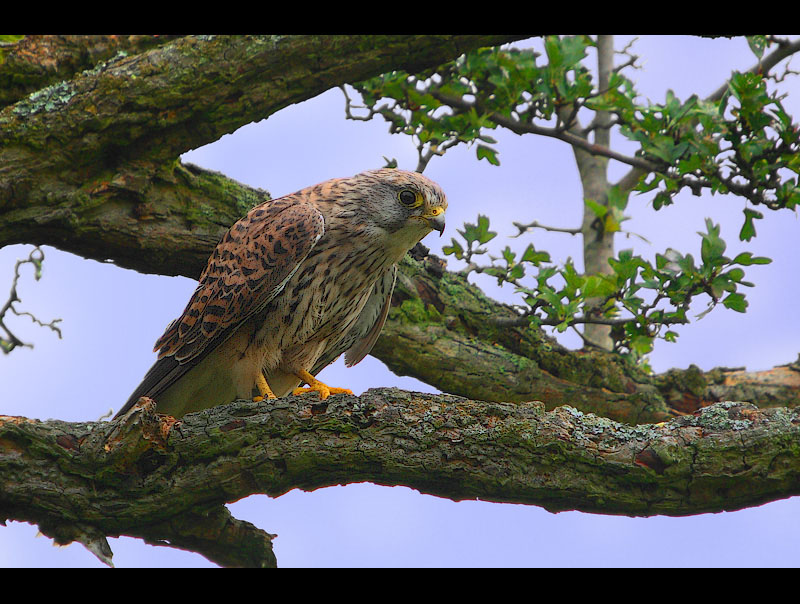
pixel 155 478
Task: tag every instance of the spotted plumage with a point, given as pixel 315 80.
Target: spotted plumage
pixel 294 284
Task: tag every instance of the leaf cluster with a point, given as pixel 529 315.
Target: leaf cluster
pixel 640 300
pixel 743 143
pixel 455 103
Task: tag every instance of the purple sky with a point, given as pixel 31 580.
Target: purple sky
pixel 105 308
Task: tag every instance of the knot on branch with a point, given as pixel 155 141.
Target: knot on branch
pixel 134 433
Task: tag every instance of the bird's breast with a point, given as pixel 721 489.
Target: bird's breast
pixel 321 301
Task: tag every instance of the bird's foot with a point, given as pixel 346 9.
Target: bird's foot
pixel 263 388
pixel 258 399
pixel 314 385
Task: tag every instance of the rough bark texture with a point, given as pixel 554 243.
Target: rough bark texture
pixel 149 476
pixel 88 164
pixel 34 62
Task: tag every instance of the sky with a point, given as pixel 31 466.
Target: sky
pixel 110 321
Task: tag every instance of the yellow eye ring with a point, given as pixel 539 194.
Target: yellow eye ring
pixel 409 198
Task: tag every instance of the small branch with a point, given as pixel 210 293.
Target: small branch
pixel 524 228
pixel 433 151
pixel 632 58
pixel 785 49
pixel 11 341
pixel 524 320
pixel 348 107
pixel 217 536
pixel 559 133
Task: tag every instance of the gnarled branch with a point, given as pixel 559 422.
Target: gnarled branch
pixel 88 164
pixel 150 476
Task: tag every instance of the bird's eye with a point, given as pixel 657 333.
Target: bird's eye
pixel 408 198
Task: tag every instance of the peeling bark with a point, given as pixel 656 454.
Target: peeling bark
pixel 150 476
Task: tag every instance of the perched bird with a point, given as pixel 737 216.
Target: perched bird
pixel 290 287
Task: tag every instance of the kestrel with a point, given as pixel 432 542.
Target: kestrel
pixel 290 287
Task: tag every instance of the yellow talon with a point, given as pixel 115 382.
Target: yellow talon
pixel 263 388
pixel 314 385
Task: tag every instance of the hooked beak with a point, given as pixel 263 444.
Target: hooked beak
pixel 435 219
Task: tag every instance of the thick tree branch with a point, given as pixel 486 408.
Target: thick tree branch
pixel 37 61
pixel 163 220
pixel 146 470
pixel 88 165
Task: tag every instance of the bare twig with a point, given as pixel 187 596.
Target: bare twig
pixel 524 228
pixel 10 341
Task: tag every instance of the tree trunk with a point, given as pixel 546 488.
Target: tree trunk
pixel 598 242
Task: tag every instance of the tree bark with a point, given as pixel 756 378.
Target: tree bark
pixel 150 476
pixel 88 165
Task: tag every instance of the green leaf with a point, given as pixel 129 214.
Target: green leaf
pixel 746 259
pixel 454 250
pixel 735 274
pixel 611 224
pixel 617 199
pixel 596 208
pixel 748 229
pixel 478 232
pixel 597 286
pixel 534 257
pixel 517 272
pixel 735 301
pixel 757 44
pixel 641 344
pixel 487 153
pixel 713 246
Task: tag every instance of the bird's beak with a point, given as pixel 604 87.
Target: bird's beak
pixel 435 219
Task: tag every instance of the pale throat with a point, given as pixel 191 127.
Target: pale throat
pixel 395 245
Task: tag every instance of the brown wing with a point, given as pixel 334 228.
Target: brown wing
pixel 249 267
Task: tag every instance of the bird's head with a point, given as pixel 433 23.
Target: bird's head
pixel 406 205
